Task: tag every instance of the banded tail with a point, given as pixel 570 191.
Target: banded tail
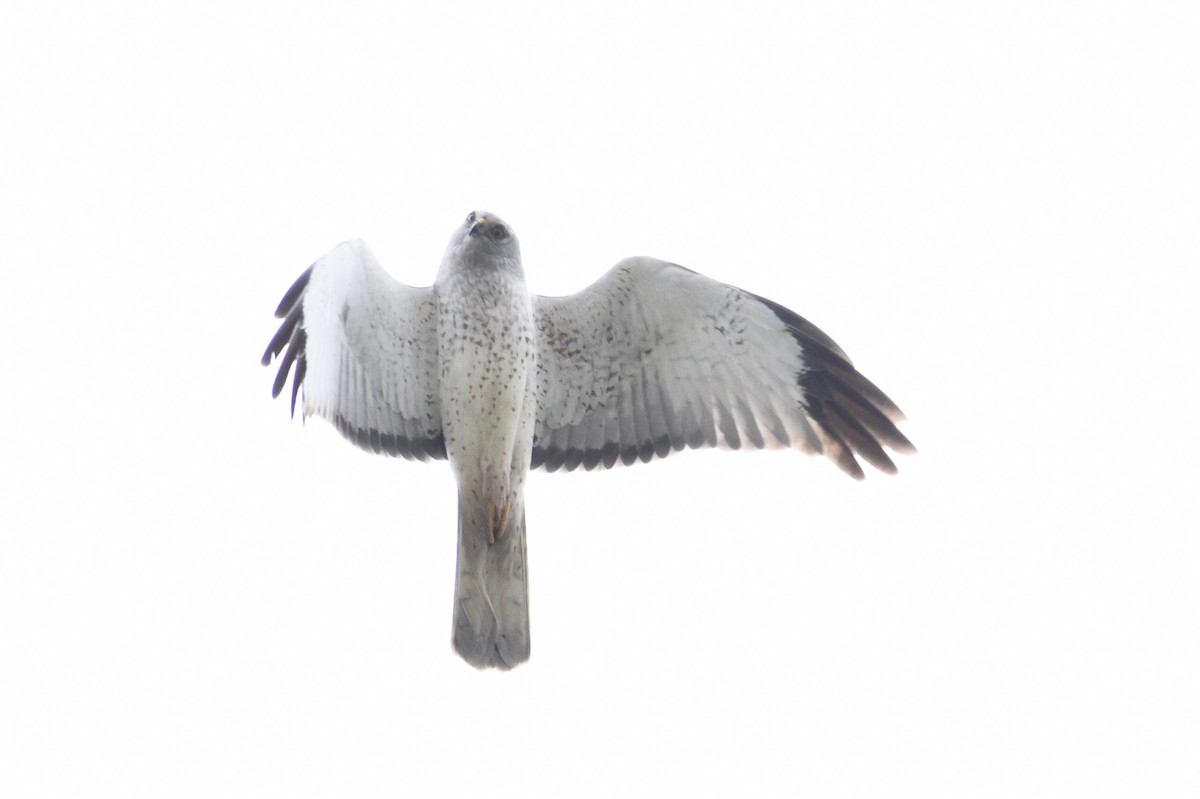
pixel 491 591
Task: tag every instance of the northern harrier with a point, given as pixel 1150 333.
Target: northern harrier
pixel 651 359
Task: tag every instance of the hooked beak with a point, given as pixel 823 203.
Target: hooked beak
pixel 474 222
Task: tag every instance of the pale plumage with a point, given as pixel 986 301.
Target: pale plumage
pixel 651 359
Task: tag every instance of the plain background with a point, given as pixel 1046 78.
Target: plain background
pixel 992 207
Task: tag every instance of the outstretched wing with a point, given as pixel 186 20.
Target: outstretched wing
pixel 654 358
pixel 365 350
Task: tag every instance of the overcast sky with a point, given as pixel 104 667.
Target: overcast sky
pixel 992 207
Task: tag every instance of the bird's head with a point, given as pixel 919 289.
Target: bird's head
pixel 483 241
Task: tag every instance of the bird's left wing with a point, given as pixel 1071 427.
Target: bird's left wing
pixel 653 358
pixel 364 348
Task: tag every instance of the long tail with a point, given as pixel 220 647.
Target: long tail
pixel 491 591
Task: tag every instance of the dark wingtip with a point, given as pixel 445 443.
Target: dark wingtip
pixel 804 330
pixel 283 335
pixel 295 351
pixel 293 294
pixel 297 381
pixel 853 415
pixel 290 335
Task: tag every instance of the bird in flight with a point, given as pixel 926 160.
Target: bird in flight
pixel 650 359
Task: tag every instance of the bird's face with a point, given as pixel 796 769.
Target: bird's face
pixel 485 240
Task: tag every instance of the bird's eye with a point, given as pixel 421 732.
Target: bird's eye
pixel 470 219
pixel 499 233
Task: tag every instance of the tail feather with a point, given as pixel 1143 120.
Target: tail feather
pixel 491 591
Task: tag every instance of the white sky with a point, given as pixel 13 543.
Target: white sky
pixel 993 209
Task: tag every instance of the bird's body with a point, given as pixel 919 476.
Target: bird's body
pixel 488 367
pixel 651 359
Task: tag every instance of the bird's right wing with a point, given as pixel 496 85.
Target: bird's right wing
pixel 365 351
pixel 654 358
